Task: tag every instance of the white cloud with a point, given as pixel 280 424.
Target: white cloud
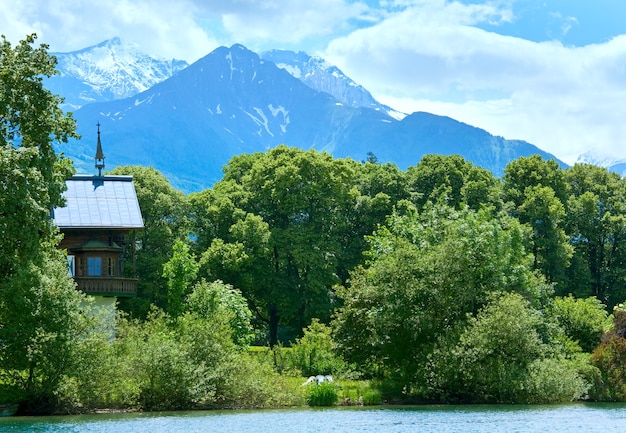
pixel 565 100
pixel 165 28
pixel 291 21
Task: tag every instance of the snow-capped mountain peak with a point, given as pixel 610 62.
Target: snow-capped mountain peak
pixel 599 159
pixel 617 165
pixel 113 69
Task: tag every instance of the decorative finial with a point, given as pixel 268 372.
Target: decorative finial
pixel 99 155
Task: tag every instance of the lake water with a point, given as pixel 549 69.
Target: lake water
pixel 605 418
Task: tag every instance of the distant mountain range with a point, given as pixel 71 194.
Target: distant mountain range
pixel 189 121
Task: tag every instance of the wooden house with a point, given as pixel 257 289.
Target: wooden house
pixel 99 220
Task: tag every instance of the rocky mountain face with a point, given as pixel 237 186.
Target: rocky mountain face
pixel 320 75
pixel 113 69
pixel 232 101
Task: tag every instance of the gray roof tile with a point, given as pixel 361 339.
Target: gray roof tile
pixel 99 202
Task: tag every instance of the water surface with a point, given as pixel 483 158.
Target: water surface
pixel 606 418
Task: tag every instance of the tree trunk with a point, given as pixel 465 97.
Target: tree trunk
pixel 273 322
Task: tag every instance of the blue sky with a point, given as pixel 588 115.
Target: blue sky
pixel 551 72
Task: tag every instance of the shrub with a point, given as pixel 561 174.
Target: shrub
pixel 610 358
pixel 583 320
pixel 555 381
pixel 249 381
pixel 314 354
pixel 324 394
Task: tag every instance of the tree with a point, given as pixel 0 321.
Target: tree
pixel 596 224
pixel 495 351
pixel 32 175
pixel 300 199
pixel 180 271
pixel 216 299
pixel 426 273
pixel 39 306
pixel 542 211
pixel 584 320
pixel 453 181
pixel 533 171
pixel 164 211
pixel 536 191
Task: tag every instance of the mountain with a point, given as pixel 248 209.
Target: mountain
pixel 232 101
pixel 320 75
pixel 113 69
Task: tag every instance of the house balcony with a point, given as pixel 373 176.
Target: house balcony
pixel 107 286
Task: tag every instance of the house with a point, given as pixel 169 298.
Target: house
pixel 99 220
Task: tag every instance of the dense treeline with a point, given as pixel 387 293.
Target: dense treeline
pixel 440 283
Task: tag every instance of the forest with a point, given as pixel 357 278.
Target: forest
pixel 437 284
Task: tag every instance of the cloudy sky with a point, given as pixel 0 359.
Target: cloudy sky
pixel 551 72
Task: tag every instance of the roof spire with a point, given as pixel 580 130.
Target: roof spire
pixel 99 155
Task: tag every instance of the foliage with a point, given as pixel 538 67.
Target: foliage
pixel 289 214
pixel 39 308
pixel 165 216
pixel 180 272
pixel 222 300
pixel 555 380
pixel 314 353
pixel 426 274
pixel 251 382
pixel 453 181
pixel 490 361
pixel 40 321
pixel 324 394
pixel 596 224
pixel 610 358
pixel 502 357
pixel 583 320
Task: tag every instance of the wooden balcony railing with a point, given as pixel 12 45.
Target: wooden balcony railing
pixel 108 286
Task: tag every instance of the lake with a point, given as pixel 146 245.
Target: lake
pixel 605 418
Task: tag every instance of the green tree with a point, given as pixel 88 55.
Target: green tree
pixel 301 198
pixel 584 320
pixel 32 175
pixel 542 211
pixel 536 191
pixel 426 274
pixel 180 271
pixel 164 211
pixel 217 299
pixel 533 171
pixel 507 353
pixel 314 353
pixel 494 352
pixel 596 225
pixel 39 307
pixel 453 181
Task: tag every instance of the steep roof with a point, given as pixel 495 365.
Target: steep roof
pixel 99 202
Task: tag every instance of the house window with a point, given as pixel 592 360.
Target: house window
pixel 71 266
pixel 110 267
pixel 94 266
